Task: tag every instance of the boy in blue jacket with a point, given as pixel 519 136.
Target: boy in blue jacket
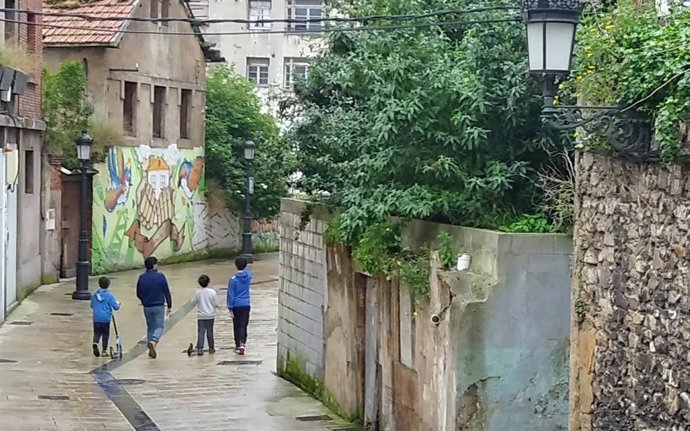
pixel 239 303
pixel 103 303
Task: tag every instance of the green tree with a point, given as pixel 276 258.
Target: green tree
pixel 66 109
pixel 437 123
pixel 233 115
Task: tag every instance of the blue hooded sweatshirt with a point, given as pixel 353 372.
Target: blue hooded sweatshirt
pixel 103 303
pixel 238 289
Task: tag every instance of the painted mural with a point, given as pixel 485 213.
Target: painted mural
pixel 151 201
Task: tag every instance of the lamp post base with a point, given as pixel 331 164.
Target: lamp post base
pixel 248 256
pixel 81 295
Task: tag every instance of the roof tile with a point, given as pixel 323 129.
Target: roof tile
pixel 69 30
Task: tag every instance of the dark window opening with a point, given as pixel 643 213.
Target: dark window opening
pixel 129 109
pixel 185 111
pixel 11 27
pixel 31 31
pixel 158 111
pixel 29 172
pixel 154 9
pixel 165 11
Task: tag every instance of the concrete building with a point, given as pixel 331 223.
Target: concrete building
pixel 272 55
pixel 21 128
pixel 147 81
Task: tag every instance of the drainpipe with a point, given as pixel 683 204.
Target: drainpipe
pixel 3 236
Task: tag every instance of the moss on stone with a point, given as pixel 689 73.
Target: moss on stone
pixel 293 372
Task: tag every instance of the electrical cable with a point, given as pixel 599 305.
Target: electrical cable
pixel 289 32
pixel 195 21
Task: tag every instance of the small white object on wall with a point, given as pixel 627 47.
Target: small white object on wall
pixel 464 262
pixel 50 219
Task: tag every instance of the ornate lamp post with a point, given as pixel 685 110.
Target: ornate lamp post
pixel 249 148
pixel 551 30
pixel 84 143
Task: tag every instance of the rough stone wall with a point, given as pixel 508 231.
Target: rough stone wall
pixel 302 266
pixel 631 331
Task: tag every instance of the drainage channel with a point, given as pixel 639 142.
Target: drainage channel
pixel 115 388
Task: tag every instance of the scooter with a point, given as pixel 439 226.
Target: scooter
pixel 116 353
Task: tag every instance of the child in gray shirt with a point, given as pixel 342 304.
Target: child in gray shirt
pixel 206 300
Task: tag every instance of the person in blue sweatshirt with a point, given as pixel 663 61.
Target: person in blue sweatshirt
pixel 102 303
pixel 239 303
pixel 154 293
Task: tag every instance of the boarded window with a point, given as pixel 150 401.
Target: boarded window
pixel 29 172
pixel 185 112
pixel 165 11
pixel 129 109
pixel 154 8
pixel 158 112
pixel 31 31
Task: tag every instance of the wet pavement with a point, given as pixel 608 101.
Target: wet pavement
pixel 49 380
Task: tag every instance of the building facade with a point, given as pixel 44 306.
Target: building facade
pixel 21 129
pixel 272 55
pixel 146 80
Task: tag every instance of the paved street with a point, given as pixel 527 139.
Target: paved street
pixel 50 381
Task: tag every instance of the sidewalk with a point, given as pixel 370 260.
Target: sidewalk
pixel 51 381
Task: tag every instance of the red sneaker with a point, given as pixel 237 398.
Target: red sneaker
pixel 241 349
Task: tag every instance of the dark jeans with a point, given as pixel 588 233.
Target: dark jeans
pixel 205 330
pixel 101 331
pixel 240 322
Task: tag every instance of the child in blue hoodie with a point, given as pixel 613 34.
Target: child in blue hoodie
pixel 103 303
pixel 239 303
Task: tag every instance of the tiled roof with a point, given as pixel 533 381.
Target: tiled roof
pixel 66 30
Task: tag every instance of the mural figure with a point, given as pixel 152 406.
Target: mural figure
pixel 190 176
pixel 120 179
pixel 156 207
pixel 152 200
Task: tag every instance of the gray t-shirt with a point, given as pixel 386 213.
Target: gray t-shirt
pixel 206 300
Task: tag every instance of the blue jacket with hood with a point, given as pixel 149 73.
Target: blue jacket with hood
pixel 103 303
pixel 238 289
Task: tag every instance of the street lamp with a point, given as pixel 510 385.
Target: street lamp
pixel 249 149
pixel 551 30
pixel 84 143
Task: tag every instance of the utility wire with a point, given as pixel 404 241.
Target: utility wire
pixel 290 32
pixel 363 19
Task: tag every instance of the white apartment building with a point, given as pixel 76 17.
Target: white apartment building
pixel 271 55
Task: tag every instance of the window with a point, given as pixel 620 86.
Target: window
pixel 258 10
pixel 257 71
pixel 11 27
pixel 304 10
pixel 31 29
pixel 165 11
pixel 154 8
pixel 185 111
pixel 296 69
pixel 129 109
pixel 29 172
pixel 158 112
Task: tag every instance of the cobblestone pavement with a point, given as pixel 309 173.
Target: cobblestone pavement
pixel 50 381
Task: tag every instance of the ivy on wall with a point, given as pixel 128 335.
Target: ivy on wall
pixel 628 56
pixel 66 110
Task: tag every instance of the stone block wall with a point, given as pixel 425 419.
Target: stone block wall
pixel 302 268
pixel 631 320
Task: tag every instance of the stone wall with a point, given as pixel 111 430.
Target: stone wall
pixel 487 351
pixel 302 269
pixel 631 327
